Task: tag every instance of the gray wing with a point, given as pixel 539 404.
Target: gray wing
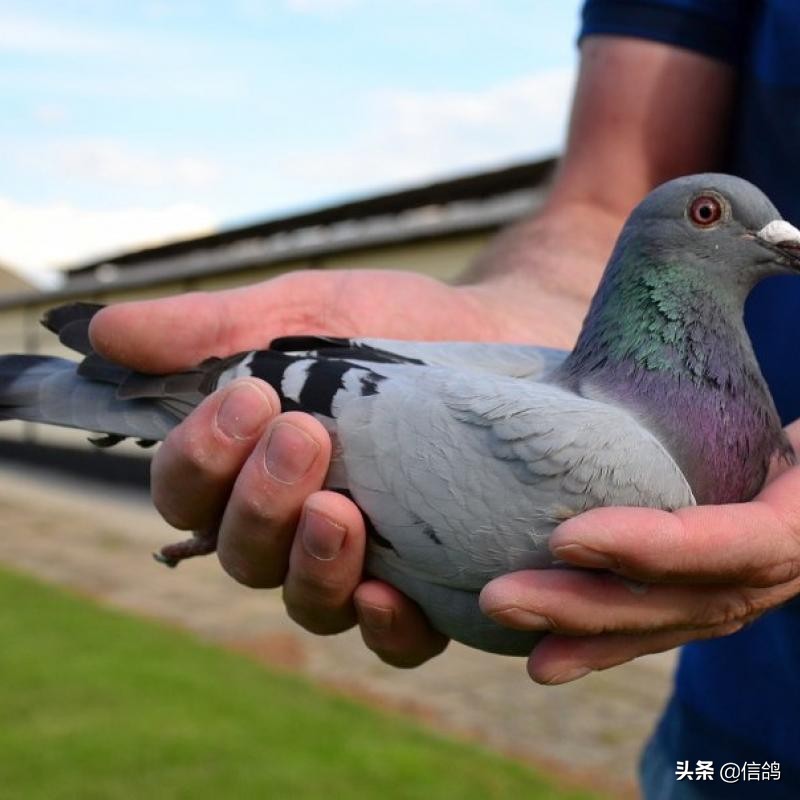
pixel 514 360
pixel 465 477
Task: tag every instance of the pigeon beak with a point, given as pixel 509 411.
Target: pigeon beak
pixel 782 237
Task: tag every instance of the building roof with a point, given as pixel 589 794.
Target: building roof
pixel 470 203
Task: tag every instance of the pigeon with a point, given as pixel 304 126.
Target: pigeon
pixel 464 457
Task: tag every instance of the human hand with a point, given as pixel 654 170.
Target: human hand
pixel 697 573
pixel 239 467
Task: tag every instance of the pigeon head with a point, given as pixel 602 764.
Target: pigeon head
pixel 665 335
pixel 718 225
pixel 684 263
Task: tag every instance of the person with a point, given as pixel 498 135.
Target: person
pixel 666 87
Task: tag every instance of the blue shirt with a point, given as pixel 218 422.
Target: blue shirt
pixel 737 699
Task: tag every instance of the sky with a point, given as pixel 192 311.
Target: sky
pixel 129 123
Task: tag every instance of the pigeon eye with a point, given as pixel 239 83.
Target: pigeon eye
pixel 705 210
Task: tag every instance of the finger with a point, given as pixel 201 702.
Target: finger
pixel 561 659
pixel 325 564
pixel 580 602
pixel 195 325
pixel 193 471
pixel 792 431
pixel 201 324
pixel 393 626
pixel 756 543
pixel 287 464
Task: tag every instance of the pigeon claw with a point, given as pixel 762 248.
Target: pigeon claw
pixel 167 562
pixel 201 544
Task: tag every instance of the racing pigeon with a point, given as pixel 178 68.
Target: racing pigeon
pixel 464 457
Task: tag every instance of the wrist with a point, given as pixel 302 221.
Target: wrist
pixel 535 279
pixel 513 307
pixel 561 250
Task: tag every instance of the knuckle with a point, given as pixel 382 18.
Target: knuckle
pixel 323 589
pixel 729 608
pixel 196 456
pixel 320 621
pixel 185 460
pixel 245 573
pixel 776 574
pixel 181 487
pixel 316 594
pixel 256 507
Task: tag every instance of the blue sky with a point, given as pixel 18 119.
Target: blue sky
pixel 132 122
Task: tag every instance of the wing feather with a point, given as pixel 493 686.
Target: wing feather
pixel 490 466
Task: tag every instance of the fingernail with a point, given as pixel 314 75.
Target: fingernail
pixel 290 453
pixel 584 557
pixel 244 410
pixel 322 537
pixel 375 618
pixel 567 675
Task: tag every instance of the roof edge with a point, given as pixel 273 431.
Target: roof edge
pixel 471 186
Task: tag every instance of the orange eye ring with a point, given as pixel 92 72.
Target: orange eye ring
pixel 705 211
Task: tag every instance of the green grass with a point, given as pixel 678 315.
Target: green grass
pixel 97 704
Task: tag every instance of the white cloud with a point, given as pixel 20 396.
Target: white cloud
pixel 37 238
pixel 264 9
pixel 205 86
pixel 119 164
pixel 129 62
pixel 414 135
pixel 406 137
pixel 50 113
pixel 320 6
pixel 37 35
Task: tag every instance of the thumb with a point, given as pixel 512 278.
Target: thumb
pixel 161 335
pixel 174 333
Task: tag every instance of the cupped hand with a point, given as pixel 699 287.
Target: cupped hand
pixel 238 466
pixel 656 580
pixel 177 332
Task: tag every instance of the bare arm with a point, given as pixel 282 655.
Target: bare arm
pixel 643 113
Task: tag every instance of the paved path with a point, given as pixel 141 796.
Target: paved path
pixel 98 541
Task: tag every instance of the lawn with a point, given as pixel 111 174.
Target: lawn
pixel 98 704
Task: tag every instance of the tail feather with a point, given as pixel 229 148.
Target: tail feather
pixel 70 322
pixel 96 394
pixel 50 390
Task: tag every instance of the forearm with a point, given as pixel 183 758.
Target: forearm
pixel 643 113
